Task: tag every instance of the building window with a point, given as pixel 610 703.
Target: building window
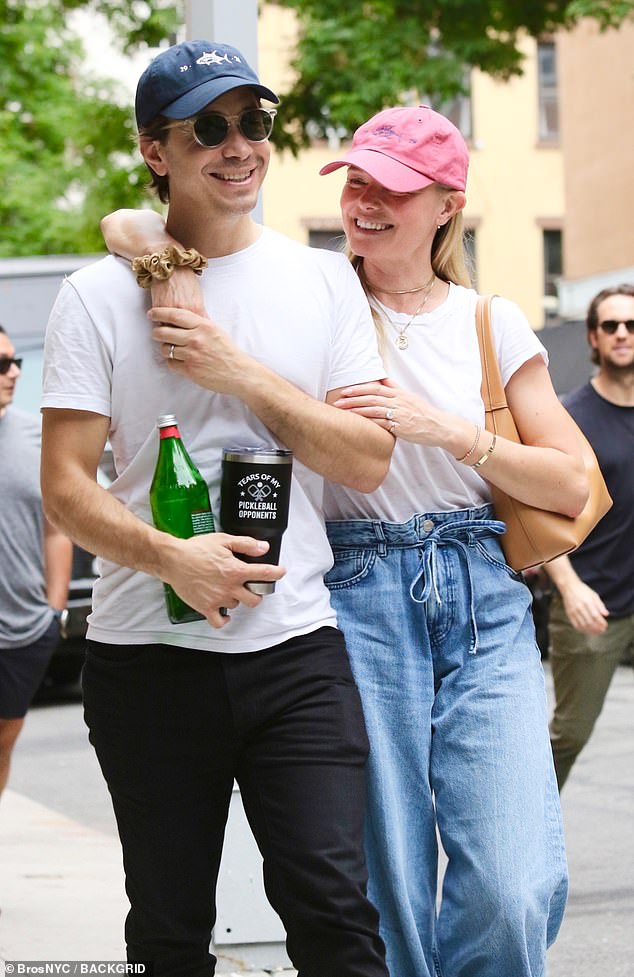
pixel 547 91
pixel 552 271
pixel 458 109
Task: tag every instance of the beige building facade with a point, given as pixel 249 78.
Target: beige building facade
pixel 596 73
pixel 549 199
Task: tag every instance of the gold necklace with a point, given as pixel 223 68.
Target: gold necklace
pixel 400 291
pixel 401 340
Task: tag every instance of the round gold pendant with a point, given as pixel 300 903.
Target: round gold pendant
pixel 402 341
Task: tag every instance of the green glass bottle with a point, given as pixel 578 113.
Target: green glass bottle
pixel 180 503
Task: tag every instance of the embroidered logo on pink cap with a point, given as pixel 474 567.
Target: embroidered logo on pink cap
pixel 407 149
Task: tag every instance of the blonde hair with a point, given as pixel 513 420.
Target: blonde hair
pixel 448 262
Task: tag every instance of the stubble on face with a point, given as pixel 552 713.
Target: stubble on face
pixel 615 352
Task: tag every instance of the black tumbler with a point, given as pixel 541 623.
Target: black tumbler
pixel 254 498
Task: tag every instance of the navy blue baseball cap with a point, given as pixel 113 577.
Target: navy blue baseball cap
pixel 182 80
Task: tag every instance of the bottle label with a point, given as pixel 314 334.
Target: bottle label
pixel 202 522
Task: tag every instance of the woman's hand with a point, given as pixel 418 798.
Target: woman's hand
pixel 404 414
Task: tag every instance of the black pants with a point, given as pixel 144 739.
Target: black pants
pixel 172 728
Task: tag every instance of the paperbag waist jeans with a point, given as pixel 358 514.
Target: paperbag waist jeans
pixel 441 639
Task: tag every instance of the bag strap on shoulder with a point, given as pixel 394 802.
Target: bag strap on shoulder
pixel 492 390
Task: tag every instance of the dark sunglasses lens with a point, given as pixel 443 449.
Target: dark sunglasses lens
pixel 256 125
pixel 211 130
pixel 6 363
pixel 611 325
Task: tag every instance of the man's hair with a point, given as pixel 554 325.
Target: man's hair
pixel 3 330
pixel 158 129
pixel 592 315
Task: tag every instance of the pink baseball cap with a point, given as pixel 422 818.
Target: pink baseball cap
pixel 407 149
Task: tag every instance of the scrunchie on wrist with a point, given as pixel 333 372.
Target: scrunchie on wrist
pixel 161 264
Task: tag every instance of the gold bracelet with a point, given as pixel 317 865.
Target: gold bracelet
pixel 487 454
pixel 473 446
pixel 161 264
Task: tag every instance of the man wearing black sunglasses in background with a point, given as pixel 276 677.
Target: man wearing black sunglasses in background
pixel 264 695
pixel 592 613
pixel 35 563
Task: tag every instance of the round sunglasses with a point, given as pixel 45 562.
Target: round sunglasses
pixel 212 128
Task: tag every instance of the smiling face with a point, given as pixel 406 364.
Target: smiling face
pixel 210 185
pixel 7 380
pixel 383 226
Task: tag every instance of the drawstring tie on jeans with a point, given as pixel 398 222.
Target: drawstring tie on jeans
pixel 449 534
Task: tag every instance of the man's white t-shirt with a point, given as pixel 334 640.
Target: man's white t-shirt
pixel 299 311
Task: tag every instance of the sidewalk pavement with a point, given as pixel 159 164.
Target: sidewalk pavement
pixel 61 886
pixel 62 894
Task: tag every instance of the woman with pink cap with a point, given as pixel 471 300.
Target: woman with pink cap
pixel 438 627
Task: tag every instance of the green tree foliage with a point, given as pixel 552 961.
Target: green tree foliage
pixel 357 56
pixel 67 153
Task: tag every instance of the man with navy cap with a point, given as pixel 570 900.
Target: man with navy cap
pixel 262 693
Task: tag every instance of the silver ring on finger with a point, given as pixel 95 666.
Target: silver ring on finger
pixel 391 427
pixel 171 352
pixel 389 414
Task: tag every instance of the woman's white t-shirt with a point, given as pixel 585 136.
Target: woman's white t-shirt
pixel 441 364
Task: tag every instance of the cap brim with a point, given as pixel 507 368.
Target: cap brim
pixel 388 172
pixel 196 100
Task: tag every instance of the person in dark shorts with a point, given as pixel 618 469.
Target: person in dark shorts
pixel 35 564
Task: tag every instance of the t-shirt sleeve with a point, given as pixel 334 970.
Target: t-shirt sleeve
pixel 355 354
pixel 77 366
pixel 515 340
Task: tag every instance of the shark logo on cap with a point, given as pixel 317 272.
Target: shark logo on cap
pixel 391 133
pixel 212 57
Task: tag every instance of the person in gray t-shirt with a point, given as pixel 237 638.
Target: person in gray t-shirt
pixel 35 563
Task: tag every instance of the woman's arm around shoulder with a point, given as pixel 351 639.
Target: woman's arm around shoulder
pixel 129 233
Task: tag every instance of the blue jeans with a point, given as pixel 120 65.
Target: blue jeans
pixel 442 645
